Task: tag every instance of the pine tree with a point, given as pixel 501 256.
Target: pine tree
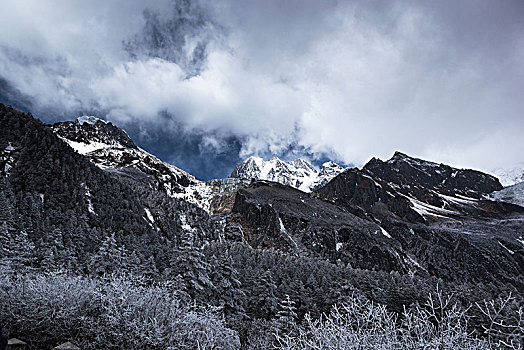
pixel 110 258
pixel 263 302
pixel 228 292
pixel 189 263
pixel 148 269
pixel 23 250
pixel 286 316
pixel 5 249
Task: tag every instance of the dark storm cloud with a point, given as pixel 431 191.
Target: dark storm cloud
pixel 348 80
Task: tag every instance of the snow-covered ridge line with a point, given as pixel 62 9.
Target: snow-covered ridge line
pixel 512 176
pixel 111 149
pixel 89 119
pixel 297 173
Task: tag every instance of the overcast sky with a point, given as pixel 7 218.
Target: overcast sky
pixel 206 83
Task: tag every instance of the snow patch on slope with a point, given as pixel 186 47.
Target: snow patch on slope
pixel 285 233
pixel 512 194
pixel 185 226
pixel 85 148
pixel 149 216
pixel 507 249
pixel 459 199
pixel 87 194
pixel 426 209
pixel 384 232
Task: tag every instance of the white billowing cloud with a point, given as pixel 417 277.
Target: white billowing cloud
pixel 351 80
pixel 51 51
pixel 220 97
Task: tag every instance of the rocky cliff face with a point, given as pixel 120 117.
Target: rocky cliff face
pixel 269 215
pixel 111 149
pixel 276 216
pixel 404 171
pixel 415 190
pixel 89 133
pixel 356 191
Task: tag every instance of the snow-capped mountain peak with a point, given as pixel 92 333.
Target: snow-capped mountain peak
pixel 511 176
pixel 110 148
pixel 330 167
pixel 302 164
pixel 297 173
pixel 89 119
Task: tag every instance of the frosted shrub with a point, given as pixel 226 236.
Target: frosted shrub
pixel 361 324
pixel 357 324
pixel 438 324
pixel 504 322
pixel 47 309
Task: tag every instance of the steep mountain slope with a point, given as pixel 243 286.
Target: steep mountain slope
pixel 297 173
pixel 511 194
pixel 110 148
pixel 68 207
pixel 276 216
pixel 270 215
pixel 412 189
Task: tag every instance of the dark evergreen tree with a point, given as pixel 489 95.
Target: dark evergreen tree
pixel 262 300
pixel 110 258
pixel 286 317
pixel 189 265
pixel 228 293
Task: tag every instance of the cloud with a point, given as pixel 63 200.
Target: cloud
pixel 348 80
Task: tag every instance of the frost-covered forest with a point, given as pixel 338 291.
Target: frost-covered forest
pixel 129 311
pixel 81 260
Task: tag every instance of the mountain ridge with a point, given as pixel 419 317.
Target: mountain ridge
pixel 110 148
pixel 389 232
pixel 296 173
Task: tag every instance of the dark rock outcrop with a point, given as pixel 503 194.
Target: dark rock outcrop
pixel 415 190
pixel 353 189
pixel 406 171
pixel 277 216
pixel 95 131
